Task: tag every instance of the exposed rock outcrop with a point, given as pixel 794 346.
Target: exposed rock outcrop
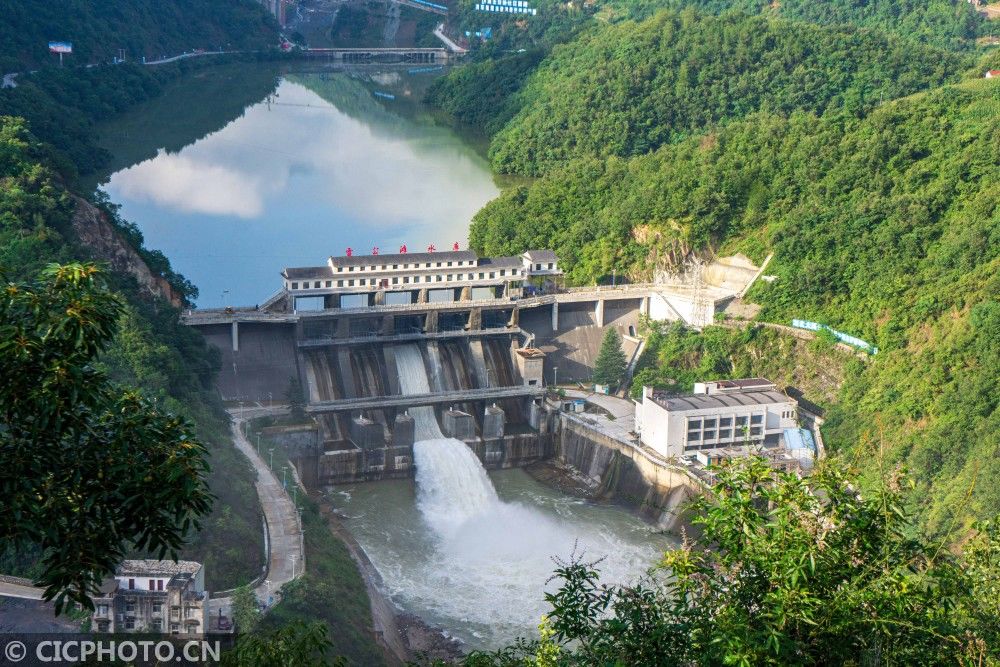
pixel 95 232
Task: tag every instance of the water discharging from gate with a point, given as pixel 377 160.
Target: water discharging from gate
pixel 481 568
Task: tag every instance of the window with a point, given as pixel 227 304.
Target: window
pixel 449 263
pixel 538 267
pixel 157 607
pixel 395 281
pixel 439 264
pixel 340 283
pixel 757 419
pixel 130 624
pixel 551 266
pixel 709 435
pixel 450 276
pixel 131 584
pixel 741 421
pixel 130 607
pixel 472 277
pixel 755 430
pixel 152 584
pixel 439 278
pixel 710 423
pixel 725 434
pixel 340 269
pixel 406 266
pixel 725 421
pixel 493 274
pixel 694 423
pixel 156 625
pixel 694 435
pixel 102 610
pixel 482 275
pixel 295 285
pixel 395 266
pixel 316 285
pixel 350 268
pixel 406 279
pixel 371 281
pixel 428 265
pixel 350 283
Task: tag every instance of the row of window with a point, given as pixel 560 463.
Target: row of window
pixel 724 434
pixel 710 422
pixel 397 280
pixel 788 414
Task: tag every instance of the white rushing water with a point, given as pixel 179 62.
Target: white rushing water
pixel 482 568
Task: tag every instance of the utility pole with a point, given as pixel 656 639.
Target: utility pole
pixel 258 444
pixel 555 376
pixel 284 477
pixel 270 462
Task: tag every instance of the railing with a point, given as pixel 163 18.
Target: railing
pixel 400 401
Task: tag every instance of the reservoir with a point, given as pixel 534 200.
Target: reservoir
pixel 236 172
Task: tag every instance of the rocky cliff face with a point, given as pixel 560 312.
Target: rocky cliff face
pixel 95 232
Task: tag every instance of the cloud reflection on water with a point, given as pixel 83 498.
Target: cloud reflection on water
pixel 292 182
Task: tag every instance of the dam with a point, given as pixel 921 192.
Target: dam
pixel 491 333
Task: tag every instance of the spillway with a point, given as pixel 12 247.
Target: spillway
pixel 466 559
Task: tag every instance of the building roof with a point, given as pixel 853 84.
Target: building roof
pixel 530 353
pixel 501 262
pixel 744 383
pixel 301 272
pixel 540 255
pixel 408 258
pixel 724 400
pixel 163 567
pixel 992 73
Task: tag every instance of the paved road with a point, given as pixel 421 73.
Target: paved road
pixel 287 556
pixel 439 33
pixel 12 590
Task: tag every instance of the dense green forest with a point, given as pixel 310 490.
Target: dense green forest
pixel 143 28
pixel 629 88
pixel 887 226
pixel 951 23
pixel 152 352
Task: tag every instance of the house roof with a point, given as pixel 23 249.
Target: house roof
pixel 162 567
pixel 541 255
pixel 724 400
pixel 408 258
pixel 500 262
pixel 307 272
pixel 745 383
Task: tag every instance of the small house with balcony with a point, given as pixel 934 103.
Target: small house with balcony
pixel 153 596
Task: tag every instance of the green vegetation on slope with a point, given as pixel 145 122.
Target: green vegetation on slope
pixel 150 28
pixel 628 88
pixel 167 362
pixel 951 23
pixel 886 226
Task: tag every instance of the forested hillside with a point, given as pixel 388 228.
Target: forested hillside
pixel 152 351
pixel 627 88
pixel 150 28
pixel 952 23
pixel 885 225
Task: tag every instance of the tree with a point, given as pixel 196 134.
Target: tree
pixel 609 369
pixel 88 471
pixel 246 613
pixel 786 571
pixel 296 399
pixel 294 645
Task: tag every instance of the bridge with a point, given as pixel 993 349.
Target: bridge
pixel 361 55
pixel 417 336
pixel 415 400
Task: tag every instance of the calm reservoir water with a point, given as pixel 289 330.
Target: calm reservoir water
pixel 306 169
